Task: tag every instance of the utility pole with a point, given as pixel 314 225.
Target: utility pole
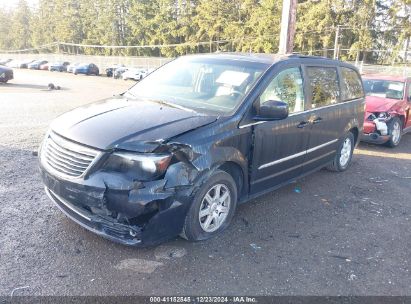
pixel 288 20
pixel 336 47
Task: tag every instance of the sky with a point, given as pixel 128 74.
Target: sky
pixel 13 3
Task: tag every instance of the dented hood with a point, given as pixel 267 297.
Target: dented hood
pixel 122 123
pixel 380 104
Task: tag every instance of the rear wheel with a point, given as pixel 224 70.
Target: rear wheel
pixel 395 132
pixel 212 209
pixel 344 153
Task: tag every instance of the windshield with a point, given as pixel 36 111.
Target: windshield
pixel 384 88
pixel 201 84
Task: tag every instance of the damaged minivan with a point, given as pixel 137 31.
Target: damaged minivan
pixel 177 153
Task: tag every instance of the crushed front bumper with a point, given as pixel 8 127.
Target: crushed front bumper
pixel 375 138
pixel 372 135
pixel 104 210
pixel 109 229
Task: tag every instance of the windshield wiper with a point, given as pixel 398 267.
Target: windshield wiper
pixel 170 104
pixel 128 92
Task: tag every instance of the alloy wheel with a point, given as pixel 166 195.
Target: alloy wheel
pixel 396 132
pixel 214 208
pixel 346 151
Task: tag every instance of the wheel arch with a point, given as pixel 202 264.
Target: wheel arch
pixel 237 173
pixel 356 134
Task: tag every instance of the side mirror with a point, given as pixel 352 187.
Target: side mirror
pixel 272 110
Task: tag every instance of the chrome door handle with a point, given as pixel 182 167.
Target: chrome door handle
pixel 317 120
pixel 303 124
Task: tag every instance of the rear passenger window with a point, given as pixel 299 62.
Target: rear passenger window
pixel 351 85
pixel 323 85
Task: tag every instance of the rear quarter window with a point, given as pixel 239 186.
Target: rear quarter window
pixel 324 86
pixel 351 85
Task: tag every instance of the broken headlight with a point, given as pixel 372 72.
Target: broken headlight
pixel 144 167
pixel 384 116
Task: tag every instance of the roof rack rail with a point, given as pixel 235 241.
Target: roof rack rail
pixel 307 56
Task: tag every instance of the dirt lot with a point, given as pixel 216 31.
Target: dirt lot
pixel 344 234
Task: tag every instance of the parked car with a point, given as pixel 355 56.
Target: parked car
pixel 119 72
pixel 4 61
pixel 35 65
pixel 182 148
pixel 24 64
pixel 44 67
pixel 60 66
pixel 87 69
pixel 6 74
pixel 13 63
pixel 110 70
pixel 71 67
pixel 135 74
pixel 19 64
pixel 388 109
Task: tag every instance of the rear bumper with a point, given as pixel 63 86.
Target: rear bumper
pixel 375 138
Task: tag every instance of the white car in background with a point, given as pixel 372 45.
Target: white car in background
pixel 135 74
pixel 72 67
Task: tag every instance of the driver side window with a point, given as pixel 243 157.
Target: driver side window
pixel 288 87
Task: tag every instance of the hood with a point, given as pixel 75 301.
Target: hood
pixel 134 125
pixel 379 104
pixel 4 68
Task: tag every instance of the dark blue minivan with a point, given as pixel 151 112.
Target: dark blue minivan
pixel 178 152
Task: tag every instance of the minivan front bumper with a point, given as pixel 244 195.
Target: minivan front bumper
pixel 104 211
pixel 109 229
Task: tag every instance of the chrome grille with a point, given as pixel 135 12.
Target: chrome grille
pixel 65 157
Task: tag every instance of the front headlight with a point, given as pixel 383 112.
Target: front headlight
pixel 144 167
pixel 384 116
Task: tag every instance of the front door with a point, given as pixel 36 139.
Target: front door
pixel 280 146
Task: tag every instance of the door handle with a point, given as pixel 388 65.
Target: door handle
pixel 317 120
pixel 303 124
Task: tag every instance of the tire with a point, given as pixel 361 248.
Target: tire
pixel 195 226
pixel 343 157
pixel 395 132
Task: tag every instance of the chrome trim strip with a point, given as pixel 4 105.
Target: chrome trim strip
pixel 252 124
pixel 296 155
pixel 292 168
pixel 321 146
pixel 282 160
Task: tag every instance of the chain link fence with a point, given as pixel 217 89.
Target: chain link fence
pixel 104 62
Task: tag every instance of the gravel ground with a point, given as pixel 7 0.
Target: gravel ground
pixel 344 234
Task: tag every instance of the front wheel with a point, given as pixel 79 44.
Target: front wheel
pixel 212 209
pixel 344 153
pixel 395 132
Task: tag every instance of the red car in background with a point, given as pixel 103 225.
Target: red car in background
pixel 388 109
pixel 44 66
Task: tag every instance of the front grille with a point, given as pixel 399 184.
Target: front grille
pixel 66 157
